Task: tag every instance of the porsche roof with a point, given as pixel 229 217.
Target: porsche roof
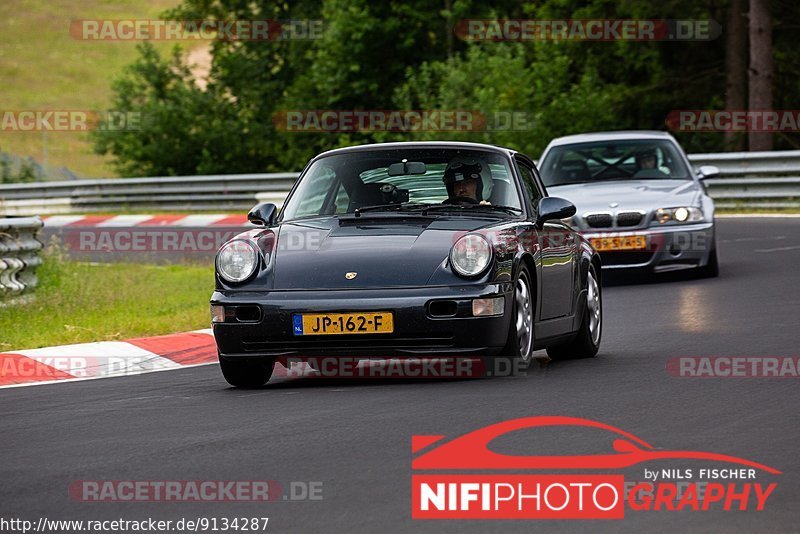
pixel 418 145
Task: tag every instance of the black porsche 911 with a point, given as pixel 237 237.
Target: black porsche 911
pixel 407 250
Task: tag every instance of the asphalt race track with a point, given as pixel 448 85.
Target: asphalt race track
pixel 354 435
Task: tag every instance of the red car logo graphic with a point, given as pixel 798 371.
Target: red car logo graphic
pixel 471 451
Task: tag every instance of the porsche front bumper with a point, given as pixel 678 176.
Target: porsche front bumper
pixel 259 324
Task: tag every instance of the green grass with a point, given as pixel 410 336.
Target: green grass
pixel 42 68
pixel 81 302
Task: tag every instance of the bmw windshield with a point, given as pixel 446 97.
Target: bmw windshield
pixel 406 180
pixel 646 159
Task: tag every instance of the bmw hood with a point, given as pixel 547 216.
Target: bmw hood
pixel 629 195
pixel 382 252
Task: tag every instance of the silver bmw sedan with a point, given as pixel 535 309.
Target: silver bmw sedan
pixel 640 203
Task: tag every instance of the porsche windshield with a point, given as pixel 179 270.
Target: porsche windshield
pixel 646 159
pixel 402 180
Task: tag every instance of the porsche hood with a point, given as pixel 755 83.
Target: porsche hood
pixel 364 252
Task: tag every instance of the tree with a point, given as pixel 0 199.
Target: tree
pixel 184 130
pixel 403 55
pixel 549 92
pixel 760 68
pixel 736 59
pixel 25 171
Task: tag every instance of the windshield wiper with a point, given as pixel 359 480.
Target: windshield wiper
pixel 508 209
pixel 424 208
pixel 469 207
pixel 388 207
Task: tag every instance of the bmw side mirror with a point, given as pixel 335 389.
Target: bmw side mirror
pixel 263 214
pixel 708 171
pixel 551 208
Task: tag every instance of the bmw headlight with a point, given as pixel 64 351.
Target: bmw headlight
pixel 679 215
pixel 471 255
pixel 237 260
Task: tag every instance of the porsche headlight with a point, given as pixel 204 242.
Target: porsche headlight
pixel 471 255
pixel 679 215
pixel 237 260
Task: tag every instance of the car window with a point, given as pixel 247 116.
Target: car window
pixel 504 191
pixel 318 186
pixel 406 177
pixel 342 200
pixel 428 187
pixel 613 160
pixel 529 182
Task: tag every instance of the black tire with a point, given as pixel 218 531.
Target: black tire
pixel 514 357
pixel 246 373
pixel 711 270
pixel 586 341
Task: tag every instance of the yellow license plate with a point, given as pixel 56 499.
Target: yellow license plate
pixel 318 324
pixel 629 242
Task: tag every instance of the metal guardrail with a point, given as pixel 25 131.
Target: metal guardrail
pixel 751 163
pixel 19 255
pixel 750 180
pixel 747 180
pixel 174 193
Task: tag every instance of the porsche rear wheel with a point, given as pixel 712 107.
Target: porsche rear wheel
pixel 586 342
pixel 246 373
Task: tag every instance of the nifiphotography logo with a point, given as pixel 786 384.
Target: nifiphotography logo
pixel 479 483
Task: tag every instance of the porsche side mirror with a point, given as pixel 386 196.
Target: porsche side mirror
pixel 263 214
pixel 708 171
pixel 551 208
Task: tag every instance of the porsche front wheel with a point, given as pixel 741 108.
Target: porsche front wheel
pixel 246 373
pixel 586 341
pixel 517 353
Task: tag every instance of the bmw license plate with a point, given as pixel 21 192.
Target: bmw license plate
pixel 315 324
pixel 628 242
